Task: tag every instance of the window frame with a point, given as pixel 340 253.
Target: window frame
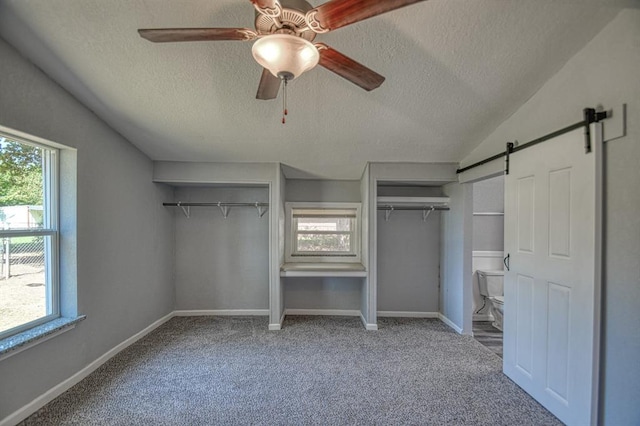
pixel 291 256
pixel 50 228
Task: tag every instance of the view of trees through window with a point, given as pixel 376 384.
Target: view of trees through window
pixel 324 234
pixel 22 257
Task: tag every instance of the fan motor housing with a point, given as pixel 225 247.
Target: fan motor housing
pixel 291 19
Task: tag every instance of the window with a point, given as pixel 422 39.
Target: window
pixel 323 232
pixel 29 290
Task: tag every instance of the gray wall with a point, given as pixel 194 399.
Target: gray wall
pixel 329 191
pixel 488 231
pixel 455 290
pixel 408 262
pixel 222 263
pixel 124 235
pixel 322 293
pixel 604 72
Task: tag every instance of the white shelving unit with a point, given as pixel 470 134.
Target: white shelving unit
pixel 413 201
pixel 426 204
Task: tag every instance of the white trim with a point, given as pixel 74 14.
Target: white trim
pixel 30 408
pixel 32 139
pixel 368 326
pixel 277 326
pixel 450 323
pixel 319 273
pixel 408 314
pixel 412 201
pixel 480 253
pixel 290 234
pixel 221 312
pixel 328 312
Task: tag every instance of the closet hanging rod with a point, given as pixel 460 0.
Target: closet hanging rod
pixel 394 208
pixel 220 204
pixel 224 207
pixel 426 210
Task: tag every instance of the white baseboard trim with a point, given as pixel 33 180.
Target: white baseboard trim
pixel 30 408
pixel 277 326
pixel 482 317
pixel 332 312
pixel 367 326
pixel 408 314
pixel 221 312
pixel 450 323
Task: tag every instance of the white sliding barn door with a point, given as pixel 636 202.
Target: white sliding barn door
pixel 552 236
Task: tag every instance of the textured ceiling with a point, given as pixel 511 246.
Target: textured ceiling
pixel 455 69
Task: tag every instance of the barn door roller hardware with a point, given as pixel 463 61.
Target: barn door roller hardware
pixel 589 115
pixel 224 207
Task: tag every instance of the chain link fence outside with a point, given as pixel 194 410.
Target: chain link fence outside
pixel 21 251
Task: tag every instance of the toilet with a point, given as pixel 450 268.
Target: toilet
pixel 492 289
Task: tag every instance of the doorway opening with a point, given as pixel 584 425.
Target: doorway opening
pixel 487 262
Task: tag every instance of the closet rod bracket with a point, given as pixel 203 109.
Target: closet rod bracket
pixel 426 212
pixel 224 210
pixel 387 213
pixel 261 210
pixel 185 210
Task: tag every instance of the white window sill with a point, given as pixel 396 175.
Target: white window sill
pixel 18 342
pixel 323 270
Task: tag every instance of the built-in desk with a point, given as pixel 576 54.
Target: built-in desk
pixel 323 270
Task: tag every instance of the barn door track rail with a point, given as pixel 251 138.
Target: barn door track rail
pixel 224 207
pixel 590 115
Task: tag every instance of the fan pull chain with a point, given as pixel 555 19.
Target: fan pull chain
pixel 284 101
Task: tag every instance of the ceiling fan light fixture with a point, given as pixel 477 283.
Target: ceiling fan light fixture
pixel 285 56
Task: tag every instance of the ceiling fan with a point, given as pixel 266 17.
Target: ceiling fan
pixel 284 31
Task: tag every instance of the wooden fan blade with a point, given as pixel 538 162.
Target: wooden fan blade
pixel 268 7
pixel 338 13
pixel 163 35
pixel 269 86
pixel 347 68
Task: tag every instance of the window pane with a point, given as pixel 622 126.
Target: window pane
pixel 324 224
pixel 23 290
pixel 21 186
pixel 26 292
pixel 324 243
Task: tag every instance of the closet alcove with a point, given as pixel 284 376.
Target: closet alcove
pixel 222 248
pixel 320 294
pixel 408 248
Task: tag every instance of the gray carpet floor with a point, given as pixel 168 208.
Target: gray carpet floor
pixel 315 371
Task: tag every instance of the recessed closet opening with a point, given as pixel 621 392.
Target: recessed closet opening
pixel 408 248
pixel 322 294
pixel 222 251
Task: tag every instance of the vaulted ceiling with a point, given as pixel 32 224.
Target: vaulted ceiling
pixel 454 70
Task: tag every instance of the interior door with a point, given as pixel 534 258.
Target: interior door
pixel 552 237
